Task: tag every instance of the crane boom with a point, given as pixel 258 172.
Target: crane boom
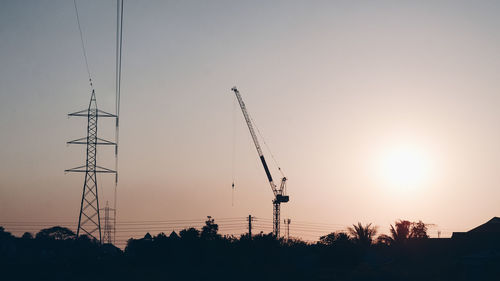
pixel 255 140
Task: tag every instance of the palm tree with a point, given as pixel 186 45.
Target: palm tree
pixel 362 235
pixel 400 232
pixel 404 230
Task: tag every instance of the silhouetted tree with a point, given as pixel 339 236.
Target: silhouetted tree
pixel 362 235
pixel 148 237
pixel 4 234
pixel 295 242
pixel 399 233
pixel 419 230
pixel 230 238
pixel 56 233
pixel 404 230
pixel 209 230
pixel 333 238
pixel 27 236
pixel 191 258
pixel 328 239
pixel 173 236
pixel 343 237
pixel 85 239
pixel 160 236
pixel 189 233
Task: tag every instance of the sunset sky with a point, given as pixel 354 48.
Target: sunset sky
pixel 375 110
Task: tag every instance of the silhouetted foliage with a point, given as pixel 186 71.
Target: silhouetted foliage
pixel 209 230
pixel 189 233
pixel 173 236
pixel 206 255
pixel 419 230
pixel 403 231
pixel 160 236
pixel 334 238
pixel 4 234
pixel 362 235
pixel 56 233
pixel 295 242
pixel 27 235
pixel 328 239
pixel 399 234
pixel 148 237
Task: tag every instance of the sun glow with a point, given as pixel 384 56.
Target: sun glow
pixel 405 167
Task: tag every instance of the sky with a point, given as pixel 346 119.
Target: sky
pixel 375 110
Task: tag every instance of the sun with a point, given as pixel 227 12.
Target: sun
pixel 405 167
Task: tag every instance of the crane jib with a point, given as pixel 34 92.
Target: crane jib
pixel 269 177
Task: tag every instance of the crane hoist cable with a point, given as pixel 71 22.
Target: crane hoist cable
pixel 234 151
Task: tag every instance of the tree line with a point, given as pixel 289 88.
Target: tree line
pixel 406 253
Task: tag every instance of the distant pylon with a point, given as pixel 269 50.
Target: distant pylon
pixel 107 238
pixel 89 219
pixel 287 223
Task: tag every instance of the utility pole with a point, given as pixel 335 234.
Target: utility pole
pixel 89 220
pixel 287 222
pixel 250 226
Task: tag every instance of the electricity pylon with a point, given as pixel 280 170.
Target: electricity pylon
pixel 107 238
pixel 89 219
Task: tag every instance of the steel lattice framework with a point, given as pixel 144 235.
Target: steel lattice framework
pixel 107 238
pixel 276 218
pixel 89 219
pixel 279 192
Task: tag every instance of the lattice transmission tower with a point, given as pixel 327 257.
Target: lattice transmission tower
pixel 109 224
pixel 89 219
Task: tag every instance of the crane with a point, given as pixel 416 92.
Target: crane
pixel 279 192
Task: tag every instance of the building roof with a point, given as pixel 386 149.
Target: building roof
pixel 491 226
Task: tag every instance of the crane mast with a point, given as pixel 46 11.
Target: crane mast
pixel 279 192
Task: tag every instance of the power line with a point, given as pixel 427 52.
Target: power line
pixel 307 231
pixel 83 45
pixel 129 221
pixel 119 41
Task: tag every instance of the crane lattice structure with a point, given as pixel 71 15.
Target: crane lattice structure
pixel 89 219
pixel 279 192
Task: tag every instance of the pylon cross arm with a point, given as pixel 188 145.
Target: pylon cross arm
pixel 82 169
pixel 85 113
pixel 84 141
